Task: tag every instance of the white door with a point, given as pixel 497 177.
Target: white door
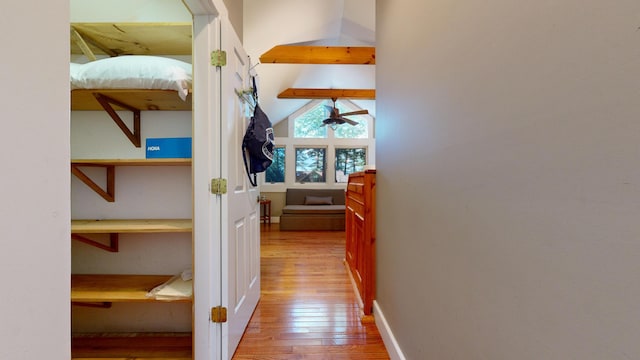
pixel 226 227
pixel 240 216
pixel 207 336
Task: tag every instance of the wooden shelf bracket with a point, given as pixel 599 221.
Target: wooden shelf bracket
pixel 113 242
pixel 109 193
pixel 106 103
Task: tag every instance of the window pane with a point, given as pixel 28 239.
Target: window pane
pixel 310 165
pixel 275 172
pixel 349 161
pixel 348 131
pixel 309 124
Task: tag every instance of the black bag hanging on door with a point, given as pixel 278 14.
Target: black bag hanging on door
pixel 258 142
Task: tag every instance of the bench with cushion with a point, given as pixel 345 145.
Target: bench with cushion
pixel 313 209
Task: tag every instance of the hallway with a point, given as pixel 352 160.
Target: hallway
pixel 308 309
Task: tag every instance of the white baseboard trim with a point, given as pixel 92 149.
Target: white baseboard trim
pixel 395 353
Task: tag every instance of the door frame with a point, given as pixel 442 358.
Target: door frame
pixel 207 208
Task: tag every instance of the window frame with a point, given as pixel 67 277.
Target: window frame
pixel 325 160
pixel 330 142
pixel 335 151
pixel 275 149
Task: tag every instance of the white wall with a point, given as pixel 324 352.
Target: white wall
pixel 129 11
pixel 34 185
pixel 509 178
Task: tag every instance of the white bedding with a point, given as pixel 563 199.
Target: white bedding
pixel 133 72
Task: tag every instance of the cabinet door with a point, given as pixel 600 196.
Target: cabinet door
pixel 350 246
pixel 360 272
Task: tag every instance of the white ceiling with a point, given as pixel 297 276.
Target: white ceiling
pixel 268 23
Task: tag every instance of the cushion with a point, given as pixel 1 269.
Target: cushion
pixel 134 72
pixel 318 200
pixel 319 210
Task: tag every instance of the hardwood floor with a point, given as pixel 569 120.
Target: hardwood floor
pixel 308 309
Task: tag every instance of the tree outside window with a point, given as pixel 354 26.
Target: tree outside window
pixel 275 172
pixel 309 124
pixel 310 165
pixel 349 160
pixel 348 131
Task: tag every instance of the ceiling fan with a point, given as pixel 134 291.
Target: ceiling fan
pixel 336 118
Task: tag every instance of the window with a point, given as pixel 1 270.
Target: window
pixel 349 160
pixel 309 124
pixel 347 131
pixel 309 154
pixel 310 165
pixel 275 172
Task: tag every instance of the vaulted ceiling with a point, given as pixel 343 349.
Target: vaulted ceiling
pixel 268 23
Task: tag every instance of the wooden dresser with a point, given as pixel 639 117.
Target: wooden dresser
pixel 360 228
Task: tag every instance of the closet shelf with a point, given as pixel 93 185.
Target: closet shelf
pixel 140 99
pixel 109 165
pixel 131 162
pixel 139 346
pixel 102 288
pixel 123 226
pixel 114 227
pixel 137 38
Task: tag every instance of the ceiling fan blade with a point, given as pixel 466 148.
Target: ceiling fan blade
pixel 358 112
pixel 349 121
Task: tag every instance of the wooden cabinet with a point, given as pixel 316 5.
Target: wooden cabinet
pixel 361 235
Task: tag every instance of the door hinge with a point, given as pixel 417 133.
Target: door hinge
pixel 219 186
pixel 218 58
pixel 219 314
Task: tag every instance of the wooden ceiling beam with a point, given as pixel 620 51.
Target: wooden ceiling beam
pixel 297 93
pixel 340 55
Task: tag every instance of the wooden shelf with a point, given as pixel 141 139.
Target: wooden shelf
pixel 140 99
pixel 123 226
pixel 114 227
pixel 337 55
pixel 134 346
pixel 131 162
pixel 101 288
pixel 133 38
pixel 110 166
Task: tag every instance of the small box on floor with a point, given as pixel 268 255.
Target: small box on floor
pixel 163 148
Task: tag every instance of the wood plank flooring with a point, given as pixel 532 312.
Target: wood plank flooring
pixel 308 309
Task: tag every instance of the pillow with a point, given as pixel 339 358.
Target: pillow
pixel 136 72
pixel 74 69
pixel 318 200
